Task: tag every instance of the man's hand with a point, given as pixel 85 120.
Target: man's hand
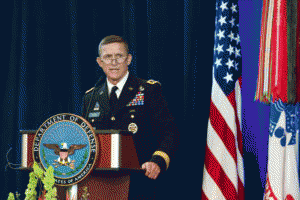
pixel 152 169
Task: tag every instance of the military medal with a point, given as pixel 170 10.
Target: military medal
pixel 132 127
pixel 138 100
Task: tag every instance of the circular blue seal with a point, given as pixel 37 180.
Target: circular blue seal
pixel 68 143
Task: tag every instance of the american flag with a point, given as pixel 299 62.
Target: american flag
pixel 223 176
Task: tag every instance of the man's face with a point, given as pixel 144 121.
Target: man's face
pixel 114 61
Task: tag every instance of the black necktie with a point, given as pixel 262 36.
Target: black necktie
pixel 113 99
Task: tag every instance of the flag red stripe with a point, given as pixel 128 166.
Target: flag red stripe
pixel 203 196
pixel 241 192
pixel 218 175
pixel 223 130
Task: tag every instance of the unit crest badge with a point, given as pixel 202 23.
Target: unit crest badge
pixel 68 143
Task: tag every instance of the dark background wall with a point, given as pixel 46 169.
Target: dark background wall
pixel 48 60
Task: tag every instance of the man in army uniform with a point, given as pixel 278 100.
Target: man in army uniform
pixel 122 101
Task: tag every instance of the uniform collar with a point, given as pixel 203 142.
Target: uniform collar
pixel 120 85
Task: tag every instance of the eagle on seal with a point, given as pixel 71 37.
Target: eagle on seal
pixel 64 151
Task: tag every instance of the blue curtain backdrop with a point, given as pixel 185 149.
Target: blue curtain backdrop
pixel 255 115
pixel 48 61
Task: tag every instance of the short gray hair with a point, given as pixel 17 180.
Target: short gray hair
pixel 112 39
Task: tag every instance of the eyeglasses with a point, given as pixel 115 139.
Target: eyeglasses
pixel 107 59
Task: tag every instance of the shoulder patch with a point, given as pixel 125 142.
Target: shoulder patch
pixel 89 90
pixel 152 82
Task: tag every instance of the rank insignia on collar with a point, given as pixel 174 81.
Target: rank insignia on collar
pixel 138 100
pixel 141 88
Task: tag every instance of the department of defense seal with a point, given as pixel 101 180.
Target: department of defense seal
pixel 68 143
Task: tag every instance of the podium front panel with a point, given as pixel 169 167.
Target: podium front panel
pixel 115 151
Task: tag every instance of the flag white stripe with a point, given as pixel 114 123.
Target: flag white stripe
pixel 224 106
pixel 224 158
pixel 238 98
pixel 240 167
pixel 210 188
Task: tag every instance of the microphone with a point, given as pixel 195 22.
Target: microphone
pixel 97 85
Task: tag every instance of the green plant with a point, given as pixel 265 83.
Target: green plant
pixel 11 196
pixel 47 178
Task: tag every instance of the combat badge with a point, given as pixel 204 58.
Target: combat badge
pixel 132 127
pixel 66 142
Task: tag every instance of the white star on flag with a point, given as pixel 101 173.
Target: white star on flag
pixel 232 21
pixel 230 49
pixel 233 8
pixel 231 36
pixel 218 62
pixel 223 20
pixel 219 48
pixel 221 34
pixel 237 39
pixel 224 6
pixel 229 63
pixel 236 66
pixel 228 77
pixel 237 52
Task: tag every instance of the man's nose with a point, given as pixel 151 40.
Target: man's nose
pixel 114 61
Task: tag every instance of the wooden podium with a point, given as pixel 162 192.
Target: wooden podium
pixel 116 159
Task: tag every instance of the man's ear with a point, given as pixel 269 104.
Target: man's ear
pixel 129 59
pixel 99 61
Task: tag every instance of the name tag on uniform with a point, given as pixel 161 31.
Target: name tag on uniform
pixel 94 114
